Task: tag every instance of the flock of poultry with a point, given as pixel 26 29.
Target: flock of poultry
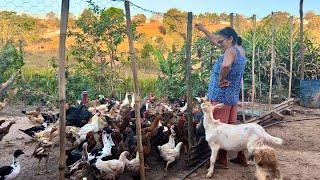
pixel 104 145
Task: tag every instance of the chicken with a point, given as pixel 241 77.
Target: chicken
pixel 95 126
pixel 133 165
pixel 129 140
pixel 107 145
pixel 161 138
pixel 34 116
pixel 4 103
pixel 125 101
pixel 5 130
pixel 45 134
pixel 43 150
pixel 82 168
pixel 170 154
pixel 184 108
pixel 112 168
pixel 75 154
pixel 152 130
pixel 168 145
pixel 132 101
pixel 182 132
pixel 11 172
pixel 102 108
pixel 35 129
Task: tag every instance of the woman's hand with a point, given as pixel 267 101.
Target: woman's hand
pixel 224 83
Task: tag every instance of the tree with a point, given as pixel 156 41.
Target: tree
pixel 96 45
pixel 175 21
pixel 139 18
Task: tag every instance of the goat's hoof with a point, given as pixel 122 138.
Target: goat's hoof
pixel 209 175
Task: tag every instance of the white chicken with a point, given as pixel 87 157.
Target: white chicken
pixel 133 165
pixel 94 126
pixel 132 100
pixel 125 101
pixel 170 154
pixel 112 168
pixel 168 145
pixel 102 108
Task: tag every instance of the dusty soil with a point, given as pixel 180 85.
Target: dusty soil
pixel 299 157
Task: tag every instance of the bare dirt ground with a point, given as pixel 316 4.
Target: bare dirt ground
pixel 299 157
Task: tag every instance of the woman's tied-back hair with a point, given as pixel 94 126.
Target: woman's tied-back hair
pixel 229 32
pixel 239 41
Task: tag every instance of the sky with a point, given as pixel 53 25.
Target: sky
pixel 246 7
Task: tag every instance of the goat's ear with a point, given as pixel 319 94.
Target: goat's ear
pixel 217 106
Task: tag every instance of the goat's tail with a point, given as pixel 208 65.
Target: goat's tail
pixel 273 140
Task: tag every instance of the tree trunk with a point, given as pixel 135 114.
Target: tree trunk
pixel 5 86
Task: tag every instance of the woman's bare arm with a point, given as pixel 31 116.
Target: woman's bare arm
pixel 211 37
pixel 228 59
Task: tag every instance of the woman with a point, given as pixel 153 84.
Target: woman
pixel 225 83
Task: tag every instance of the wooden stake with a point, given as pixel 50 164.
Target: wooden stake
pixel 301 40
pixel 272 60
pixel 136 89
pixel 259 73
pixel 62 86
pixel 238 23
pixel 253 60
pixel 242 101
pixel 231 20
pixel 291 55
pixel 188 79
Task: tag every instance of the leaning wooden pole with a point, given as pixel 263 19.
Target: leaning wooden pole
pixel 301 40
pixel 253 61
pixel 136 89
pixel 188 78
pixel 62 85
pixel 291 55
pixel 272 60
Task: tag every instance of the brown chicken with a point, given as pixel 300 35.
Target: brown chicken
pixel 34 116
pixel 152 130
pixel 43 150
pixel 182 132
pixel 5 130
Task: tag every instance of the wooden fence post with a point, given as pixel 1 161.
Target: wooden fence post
pixel 253 60
pixel 231 20
pixel 272 60
pixel 291 55
pixel 301 40
pixel 188 79
pixel 136 88
pixel 62 86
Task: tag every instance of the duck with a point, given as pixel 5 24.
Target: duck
pixel 11 172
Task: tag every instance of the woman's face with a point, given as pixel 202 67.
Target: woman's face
pixel 225 42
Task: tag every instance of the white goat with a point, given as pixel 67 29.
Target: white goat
pixel 230 137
